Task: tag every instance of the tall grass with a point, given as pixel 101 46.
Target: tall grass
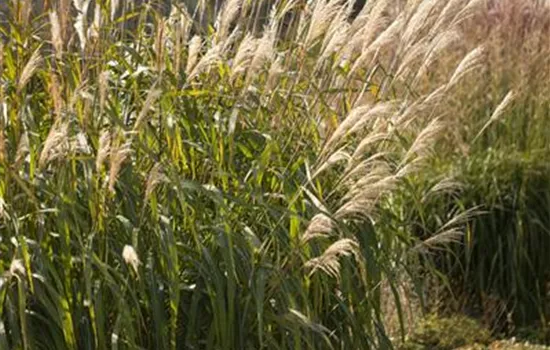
pixel 250 184
pixel 505 165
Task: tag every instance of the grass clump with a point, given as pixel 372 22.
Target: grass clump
pixel 246 176
pixel 446 333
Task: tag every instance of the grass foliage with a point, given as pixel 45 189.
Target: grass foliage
pixel 446 334
pixel 248 176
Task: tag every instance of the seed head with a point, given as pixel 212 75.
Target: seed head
pixel 17 269
pixel 23 149
pixel 156 177
pixel 195 46
pixel 29 70
pixel 329 261
pixel 57 38
pixel 131 258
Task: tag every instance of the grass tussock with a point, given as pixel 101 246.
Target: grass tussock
pixel 250 175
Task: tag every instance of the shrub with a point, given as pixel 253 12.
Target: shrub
pixel 447 333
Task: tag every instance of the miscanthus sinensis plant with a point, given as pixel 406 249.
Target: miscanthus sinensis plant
pixel 166 183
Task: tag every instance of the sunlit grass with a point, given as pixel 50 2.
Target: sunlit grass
pixel 255 183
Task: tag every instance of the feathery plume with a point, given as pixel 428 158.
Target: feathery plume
pixel 450 232
pixel 182 22
pixel 55 93
pixel 54 144
pixel 357 119
pixel 324 12
pixel 447 15
pixel 29 70
pixel 503 105
pixel 411 167
pixel 371 14
pixel 17 268
pixel 63 11
pixel 363 195
pixel 452 235
pixel 230 42
pixel 329 261
pixel 353 117
pixel 93 31
pixel 57 37
pixel 227 15
pixel 411 56
pixel 130 257
pixel 264 53
pixel 80 23
pixel 435 96
pixel 461 218
pixel 79 144
pixel 80 93
pixel 160 43
pixel 335 40
pixel 367 176
pixel 244 55
pixel 389 35
pixel 195 46
pixel 23 149
pixel 470 62
pixel 335 158
pixel 499 111
pixel 103 149
pixel 447 185
pixel 320 226
pixel 419 21
pixel 118 155
pixel 443 41
pixel 23 13
pixel 425 139
pixel 210 58
pixel 274 73
pixel 385 38
pixel 103 89
pixel 156 177
pixel 367 29
pixel 152 96
pixel 370 170
pixel 370 139
pixel 471 9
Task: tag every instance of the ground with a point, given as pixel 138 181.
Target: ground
pixel 460 332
